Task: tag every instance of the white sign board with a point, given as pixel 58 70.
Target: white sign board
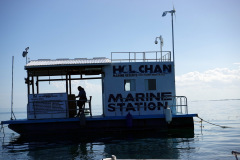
pixel 48 105
pixel 141 88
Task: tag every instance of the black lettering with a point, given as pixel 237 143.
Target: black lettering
pixel 147 96
pixel 130 69
pixel 115 99
pixel 111 107
pixel 121 106
pixel 159 105
pixel 166 95
pixel 150 68
pixel 167 68
pixel 138 105
pixel 156 97
pixel 120 69
pixel 129 98
pixel 145 106
pixel 157 69
pixel 151 106
pixel 141 68
pixel 139 96
pixel 130 107
pixel 165 105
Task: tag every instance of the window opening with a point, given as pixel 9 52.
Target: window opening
pixel 150 84
pixel 129 85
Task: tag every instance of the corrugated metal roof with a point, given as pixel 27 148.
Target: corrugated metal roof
pixel 68 62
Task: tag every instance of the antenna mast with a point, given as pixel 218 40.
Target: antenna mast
pixel 161 44
pixel 163 15
pixel 12 114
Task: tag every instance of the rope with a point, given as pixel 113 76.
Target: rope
pixel 213 123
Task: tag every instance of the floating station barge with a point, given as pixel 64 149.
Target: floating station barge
pixel 138 94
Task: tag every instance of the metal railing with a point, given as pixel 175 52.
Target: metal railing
pixel 179 102
pixel 149 56
pixel 56 109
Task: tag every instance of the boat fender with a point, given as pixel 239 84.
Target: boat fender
pixel 168 115
pixel 129 120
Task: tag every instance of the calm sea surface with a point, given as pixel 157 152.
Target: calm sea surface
pixel 208 141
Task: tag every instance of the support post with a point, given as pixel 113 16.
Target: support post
pixel 37 84
pixel 70 85
pixel 32 85
pixel 12 113
pixel 67 84
pixel 172 38
pixel 28 83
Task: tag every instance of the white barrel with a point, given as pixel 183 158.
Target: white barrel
pixel 168 115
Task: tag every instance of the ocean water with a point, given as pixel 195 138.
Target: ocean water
pixel 208 141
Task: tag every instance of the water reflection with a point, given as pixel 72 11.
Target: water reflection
pixel 212 143
pixel 125 146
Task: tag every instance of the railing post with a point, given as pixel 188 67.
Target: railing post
pixel 156 56
pixel 186 105
pixel 90 106
pixel 161 56
pixel 129 56
pixel 144 57
pixel 181 104
pixel 170 56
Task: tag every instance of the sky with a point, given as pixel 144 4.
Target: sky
pixel 207 40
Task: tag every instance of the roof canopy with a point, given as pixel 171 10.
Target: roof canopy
pixel 47 67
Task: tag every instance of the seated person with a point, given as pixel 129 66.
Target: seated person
pixel 82 99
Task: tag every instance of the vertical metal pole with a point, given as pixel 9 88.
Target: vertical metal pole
pixel 161 51
pixel 129 56
pixel 135 56
pixel 103 93
pixel 28 84
pixel 181 105
pixel 37 84
pixel 156 56
pixel 172 37
pixel 12 114
pixel 70 85
pixel 173 54
pixel 67 83
pixel 186 105
pixel 32 85
pixel 12 89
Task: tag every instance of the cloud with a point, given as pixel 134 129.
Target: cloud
pixel 237 63
pixel 222 75
pixel 218 83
